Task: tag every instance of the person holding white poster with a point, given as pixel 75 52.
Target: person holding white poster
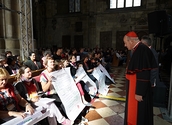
pixel 88 68
pixel 29 88
pixel 105 68
pixel 100 76
pixel 68 93
pixel 83 89
pixel 10 100
pixel 47 85
pixel 46 81
pixel 82 76
pixel 108 77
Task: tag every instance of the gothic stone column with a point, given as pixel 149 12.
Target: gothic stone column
pixel 2 34
pixel 12 26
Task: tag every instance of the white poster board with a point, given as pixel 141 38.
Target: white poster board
pixel 30 119
pixel 103 89
pixel 81 75
pixel 68 93
pixel 77 58
pixel 105 72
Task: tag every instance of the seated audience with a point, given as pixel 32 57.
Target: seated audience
pixel 11 100
pixel 46 82
pixel 58 54
pixel 46 54
pixel 29 88
pixel 81 85
pixel 13 67
pixel 121 57
pixel 3 64
pixel 88 68
pixel 8 53
pixel 18 61
pixel 73 52
pixel 32 63
pixel 82 53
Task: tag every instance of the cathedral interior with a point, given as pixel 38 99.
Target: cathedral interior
pixel 31 25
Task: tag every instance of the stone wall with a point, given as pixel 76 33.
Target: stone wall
pixel 96 18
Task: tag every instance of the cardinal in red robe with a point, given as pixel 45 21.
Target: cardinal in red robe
pixel 139 100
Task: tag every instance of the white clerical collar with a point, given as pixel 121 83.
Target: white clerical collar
pixel 135 46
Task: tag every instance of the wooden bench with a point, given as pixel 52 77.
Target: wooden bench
pixel 35 73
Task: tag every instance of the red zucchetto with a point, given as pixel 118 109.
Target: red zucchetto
pixel 131 34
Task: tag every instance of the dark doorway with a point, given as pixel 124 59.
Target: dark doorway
pixel 119 39
pixel 66 41
pixel 105 39
pixel 78 41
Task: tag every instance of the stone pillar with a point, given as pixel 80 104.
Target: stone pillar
pixel 2 34
pixel 12 26
pixel 2 45
pixel 170 97
pixel 35 45
pixel 13 45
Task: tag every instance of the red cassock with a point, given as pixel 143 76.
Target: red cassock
pixel 132 103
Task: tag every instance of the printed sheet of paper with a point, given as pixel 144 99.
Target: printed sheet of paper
pixel 103 89
pixel 105 72
pixel 44 101
pixel 68 93
pixel 26 121
pixel 77 58
pixel 67 69
pixel 81 75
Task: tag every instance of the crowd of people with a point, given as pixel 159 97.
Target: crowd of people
pixel 26 87
pixel 141 75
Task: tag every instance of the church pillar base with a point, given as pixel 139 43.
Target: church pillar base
pixel 12 45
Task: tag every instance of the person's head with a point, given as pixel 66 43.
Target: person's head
pixel 49 63
pixel 2 60
pixel 47 53
pixel 90 55
pixel 74 51
pixel 146 40
pixel 4 76
pixel 72 58
pixel 59 51
pixel 8 53
pixel 11 60
pixel 130 40
pixel 32 56
pixel 81 50
pixel 93 60
pixel 64 63
pixel 85 59
pixel 58 64
pixel 24 72
pixel 97 55
pixel 17 58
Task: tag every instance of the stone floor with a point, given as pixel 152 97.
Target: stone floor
pixel 111 112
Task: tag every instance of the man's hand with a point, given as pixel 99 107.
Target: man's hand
pixel 138 98
pixel 17 114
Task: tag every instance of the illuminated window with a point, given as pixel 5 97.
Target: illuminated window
pixel 74 6
pixel 124 3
